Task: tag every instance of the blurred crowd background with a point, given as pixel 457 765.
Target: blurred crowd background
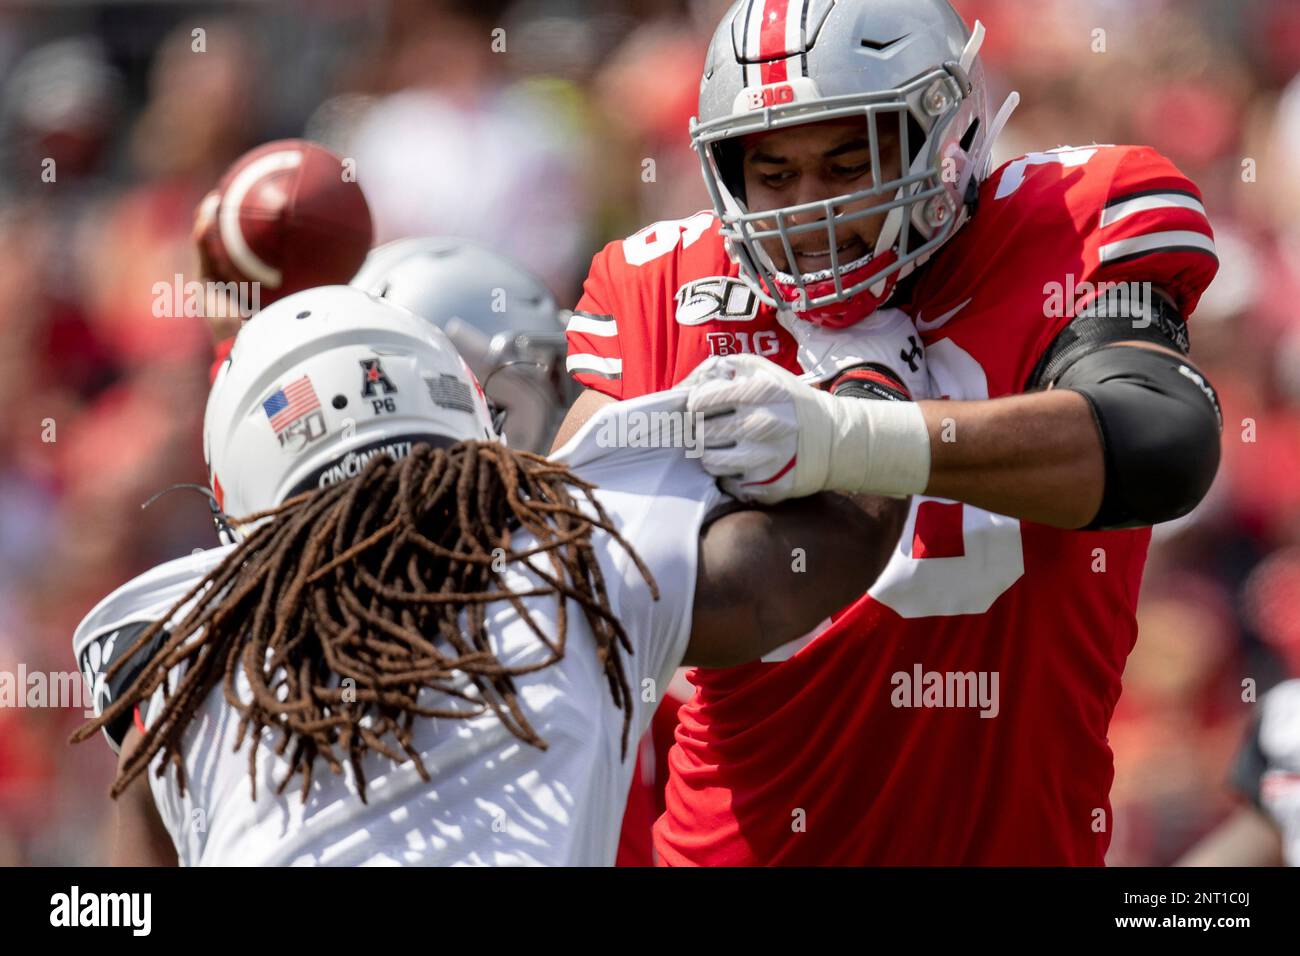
pixel 535 140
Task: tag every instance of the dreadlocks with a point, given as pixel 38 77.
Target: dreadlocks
pixel 346 602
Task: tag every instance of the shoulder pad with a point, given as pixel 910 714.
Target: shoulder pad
pixel 114 626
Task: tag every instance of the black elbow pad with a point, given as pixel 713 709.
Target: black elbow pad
pixel 1160 424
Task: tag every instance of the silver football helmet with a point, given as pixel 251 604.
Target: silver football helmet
pixel 500 317
pixel 911 64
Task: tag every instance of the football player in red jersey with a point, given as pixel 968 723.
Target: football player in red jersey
pixel 957 713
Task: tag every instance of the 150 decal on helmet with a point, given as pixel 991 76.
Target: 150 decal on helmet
pixel 293 412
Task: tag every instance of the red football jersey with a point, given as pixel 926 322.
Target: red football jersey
pixel 956 714
pixel 645 797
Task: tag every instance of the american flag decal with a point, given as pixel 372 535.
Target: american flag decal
pixel 289 403
pixel 450 392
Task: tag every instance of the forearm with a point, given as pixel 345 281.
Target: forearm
pixel 1126 434
pixel 1037 457
pixel 767 576
pixel 141 839
pixel 1247 838
pixel 587 404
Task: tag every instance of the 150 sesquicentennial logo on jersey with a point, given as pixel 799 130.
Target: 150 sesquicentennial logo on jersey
pixel 715 298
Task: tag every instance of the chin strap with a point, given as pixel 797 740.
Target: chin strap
pixel 972 48
pixel 499 412
pixel 977 167
pixel 225 531
pixel 984 155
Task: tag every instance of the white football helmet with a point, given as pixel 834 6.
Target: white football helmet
pixel 501 318
pixel 911 63
pixel 320 382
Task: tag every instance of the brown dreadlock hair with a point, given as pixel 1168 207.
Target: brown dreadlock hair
pixel 383 579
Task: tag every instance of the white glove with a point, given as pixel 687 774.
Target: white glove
pixel 886 337
pixel 769 436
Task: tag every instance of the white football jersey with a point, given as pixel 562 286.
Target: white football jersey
pixel 1268 766
pixel 493 799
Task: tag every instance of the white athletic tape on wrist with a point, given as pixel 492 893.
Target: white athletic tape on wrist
pixel 879 447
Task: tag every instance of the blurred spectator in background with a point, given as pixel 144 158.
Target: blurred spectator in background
pixel 459 147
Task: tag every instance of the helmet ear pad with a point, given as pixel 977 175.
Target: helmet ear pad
pixel 730 157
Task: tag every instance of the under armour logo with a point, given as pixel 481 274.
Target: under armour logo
pixel 912 357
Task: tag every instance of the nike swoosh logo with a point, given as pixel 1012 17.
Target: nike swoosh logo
pixel 923 326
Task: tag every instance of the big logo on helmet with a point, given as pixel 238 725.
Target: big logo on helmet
pixel 798 89
pixel 773 95
pixel 770 95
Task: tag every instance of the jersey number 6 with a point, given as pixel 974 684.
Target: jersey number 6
pixel 659 238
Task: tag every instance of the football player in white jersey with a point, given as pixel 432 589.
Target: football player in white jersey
pixel 428 648
pixel 1265 829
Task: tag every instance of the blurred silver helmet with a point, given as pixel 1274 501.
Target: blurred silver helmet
pixel 500 317
pixel 908 64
